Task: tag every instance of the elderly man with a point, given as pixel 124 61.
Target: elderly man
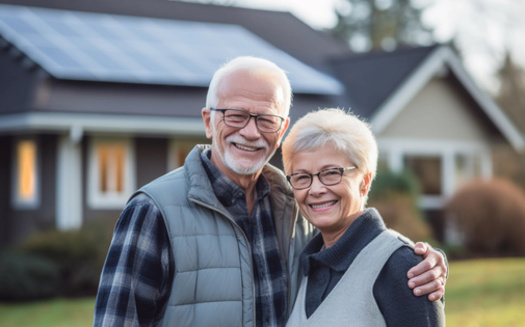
pixel 216 242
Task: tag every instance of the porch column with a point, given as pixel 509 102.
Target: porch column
pixel 449 176
pixel 69 183
pixel 486 164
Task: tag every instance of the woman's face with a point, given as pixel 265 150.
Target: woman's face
pixel 330 208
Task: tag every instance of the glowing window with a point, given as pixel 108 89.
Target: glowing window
pixel 111 167
pixel 179 150
pixel 25 184
pixel 111 180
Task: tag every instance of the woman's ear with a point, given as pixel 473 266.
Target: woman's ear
pixel 365 184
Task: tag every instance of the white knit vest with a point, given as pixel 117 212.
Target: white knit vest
pixel 351 302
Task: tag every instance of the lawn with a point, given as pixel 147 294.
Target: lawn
pixel 480 293
pixel 483 293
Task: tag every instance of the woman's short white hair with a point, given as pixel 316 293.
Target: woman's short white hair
pixel 253 65
pixel 345 131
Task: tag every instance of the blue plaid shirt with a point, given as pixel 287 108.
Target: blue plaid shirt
pixel 136 280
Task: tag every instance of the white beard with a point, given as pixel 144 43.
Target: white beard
pixel 241 165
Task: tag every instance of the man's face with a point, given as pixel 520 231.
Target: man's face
pixel 244 151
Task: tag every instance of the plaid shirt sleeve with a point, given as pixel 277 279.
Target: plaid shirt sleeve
pixel 136 279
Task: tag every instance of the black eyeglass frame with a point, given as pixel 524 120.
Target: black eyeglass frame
pixel 250 115
pixel 339 169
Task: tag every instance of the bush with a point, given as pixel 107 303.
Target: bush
pixel 490 215
pixel 79 256
pixel 395 196
pixel 388 182
pixel 24 277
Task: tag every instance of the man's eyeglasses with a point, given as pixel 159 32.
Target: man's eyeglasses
pixel 238 118
pixel 328 177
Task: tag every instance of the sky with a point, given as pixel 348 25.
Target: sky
pixel 483 28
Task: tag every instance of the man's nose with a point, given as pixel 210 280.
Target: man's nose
pixel 251 130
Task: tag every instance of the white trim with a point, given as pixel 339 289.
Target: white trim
pixel 435 65
pixel 110 200
pixel 69 188
pixel 137 124
pixel 395 149
pixel 431 202
pixel 429 146
pixel 34 201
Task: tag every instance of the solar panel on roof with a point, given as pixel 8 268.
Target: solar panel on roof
pixel 116 48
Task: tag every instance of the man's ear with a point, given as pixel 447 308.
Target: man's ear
pixel 206 117
pixel 283 131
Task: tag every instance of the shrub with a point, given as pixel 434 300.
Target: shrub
pixel 490 214
pixel 24 277
pixel 78 254
pixel 388 182
pixel 395 196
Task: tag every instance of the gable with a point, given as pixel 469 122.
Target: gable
pixel 438 112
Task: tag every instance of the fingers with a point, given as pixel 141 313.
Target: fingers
pixel 421 248
pixel 432 259
pixel 434 296
pixel 422 267
pixel 431 282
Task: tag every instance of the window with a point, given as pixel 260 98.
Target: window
pixel 428 172
pixel 111 179
pixel 179 150
pixel 25 181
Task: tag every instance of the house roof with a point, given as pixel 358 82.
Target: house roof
pixel 372 77
pixel 381 85
pixel 116 48
pixel 282 29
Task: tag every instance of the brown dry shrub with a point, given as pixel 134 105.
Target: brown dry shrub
pixel 401 214
pixel 491 216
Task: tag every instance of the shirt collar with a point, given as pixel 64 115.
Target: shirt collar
pixel 227 192
pixel 340 255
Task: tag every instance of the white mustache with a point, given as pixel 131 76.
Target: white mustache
pixel 241 141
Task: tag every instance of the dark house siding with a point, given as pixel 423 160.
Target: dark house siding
pixel 5 187
pixel 151 159
pixel 21 223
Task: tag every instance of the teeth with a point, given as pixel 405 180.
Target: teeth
pixel 326 204
pixel 246 148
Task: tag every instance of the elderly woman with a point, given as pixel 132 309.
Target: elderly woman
pixel 355 268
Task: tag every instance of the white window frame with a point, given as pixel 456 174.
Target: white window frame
pixel 34 201
pixel 177 145
pixel 394 150
pixel 110 200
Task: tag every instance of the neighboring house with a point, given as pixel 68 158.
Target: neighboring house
pixel 100 97
pixel 96 105
pixel 428 117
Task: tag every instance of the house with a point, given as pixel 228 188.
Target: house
pixel 428 117
pixel 100 97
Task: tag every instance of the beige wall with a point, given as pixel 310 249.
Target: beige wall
pixel 437 112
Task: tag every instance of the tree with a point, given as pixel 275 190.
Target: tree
pixel 511 98
pixel 511 95
pixel 381 24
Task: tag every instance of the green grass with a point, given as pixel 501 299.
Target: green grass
pixel 51 313
pixel 480 293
